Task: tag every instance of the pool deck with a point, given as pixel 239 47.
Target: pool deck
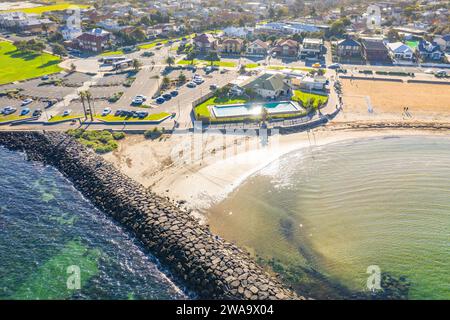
pixel 245 109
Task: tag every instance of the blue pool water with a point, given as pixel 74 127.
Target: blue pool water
pixel 249 109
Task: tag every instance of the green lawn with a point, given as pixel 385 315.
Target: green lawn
pixel 150 117
pixel 202 111
pixel 412 44
pixel 112 53
pixel 62 118
pixel 306 69
pixel 228 64
pixel 252 65
pixel 42 9
pixel 13 117
pixel 305 96
pixel 15 65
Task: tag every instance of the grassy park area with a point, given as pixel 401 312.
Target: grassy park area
pixel 16 65
pixel 305 97
pixel 151 117
pixel 228 64
pixel 54 7
pixel 12 117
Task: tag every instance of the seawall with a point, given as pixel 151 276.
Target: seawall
pixel 202 262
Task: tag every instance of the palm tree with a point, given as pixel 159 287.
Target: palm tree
pixel 82 95
pixel 264 115
pixel 137 65
pixel 170 60
pixel 91 107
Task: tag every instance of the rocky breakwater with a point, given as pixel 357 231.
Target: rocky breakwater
pixel 202 262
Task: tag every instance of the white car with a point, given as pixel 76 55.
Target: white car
pixel 27 101
pixel 8 110
pixel 141 96
pixel 67 112
pixel 429 71
pixel 191 85
pixel 106 111
pixel 198 80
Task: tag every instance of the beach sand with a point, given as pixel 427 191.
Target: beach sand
pixel 202 175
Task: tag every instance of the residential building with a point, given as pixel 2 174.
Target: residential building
pixel 257 47
pixel 374 50
pixel 443 42
pixel 269 85
pixel 233 46
pixel 429 51
pixel 311 48
pixel 400 51
pixel 96 40
pixel 26 24
pixel 205 43
pixel 286 48
pixel 238 32
pixel 70 32
pixel 348 48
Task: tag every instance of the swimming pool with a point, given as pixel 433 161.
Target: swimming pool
pixel 254 109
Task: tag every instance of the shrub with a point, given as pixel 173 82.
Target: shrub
pixel 118 135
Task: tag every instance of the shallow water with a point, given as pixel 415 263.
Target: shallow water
pixel 46 227
pixel 341 208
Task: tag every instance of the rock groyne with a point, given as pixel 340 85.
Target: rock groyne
pixel 202 262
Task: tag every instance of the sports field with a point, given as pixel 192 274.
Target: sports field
pixel 16 65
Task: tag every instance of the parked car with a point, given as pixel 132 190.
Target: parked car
pixel 106 111
pixel 429 71
pixel 118 113
pixel 160 100
pixel 8 110
pixel 198 80
pixel 50 102
pixel 27 101
pixel 46 77
pixel 37 112
pixel 148 54
pixel 191 84
pixel 142 114
pixel 167 96
pixel 141 96
pixel 67 112
pixel 441 74
pixel 334 66
pixel 174 93
pixel 213 87
pixel 25 111
pixel 316 65
pixel 137 101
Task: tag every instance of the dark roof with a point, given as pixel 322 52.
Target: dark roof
pixel 373 44
pixel 429 47
pixel 204 38
pixel 349 42
pixel 446 37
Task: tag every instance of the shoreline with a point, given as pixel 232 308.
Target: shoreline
pixel 226 162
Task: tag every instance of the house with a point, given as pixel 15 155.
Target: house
pixel 238 32
pixel 269 85
pixel 27 24
pixel 311 48
pixel 257 47
pixel 400 51
pixel 348 48
pixel 429 50
pixel 374 50
pixel 286 48
pixel 96 40
pixel 205 43
pixel 233 46
pixel 309 83
pixel 443 42
pixel 70 32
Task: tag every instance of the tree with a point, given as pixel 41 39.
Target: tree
pixel 182 78
pixel 264 115
pixel 73 68
pixel 170 60
pixel 211 57
pixel 137 65
pixel 393 35
pixel 90 99
pixel 165 81
pixel 242 69
pixel 82 96
pixel 59 50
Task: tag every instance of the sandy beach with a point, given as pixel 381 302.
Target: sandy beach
pixel 201 170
